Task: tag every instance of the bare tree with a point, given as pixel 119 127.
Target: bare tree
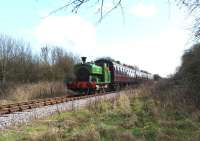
pixel 62 64
pixel 6 55
pixel 193 7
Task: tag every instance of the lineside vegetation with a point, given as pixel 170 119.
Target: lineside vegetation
pixel 132 116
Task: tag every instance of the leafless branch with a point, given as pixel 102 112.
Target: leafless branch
pixel 118 4
pixel 193 7
pixel 102 8
pixel 60 8
pixel 75 5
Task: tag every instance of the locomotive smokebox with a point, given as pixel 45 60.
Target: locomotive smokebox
pixel 83 59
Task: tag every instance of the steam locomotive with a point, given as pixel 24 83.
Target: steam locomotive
pixel 105 74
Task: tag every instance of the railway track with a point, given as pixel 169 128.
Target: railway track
pixel 22 106
pixel 25 112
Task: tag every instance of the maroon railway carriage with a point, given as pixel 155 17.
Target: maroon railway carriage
pixel 121 75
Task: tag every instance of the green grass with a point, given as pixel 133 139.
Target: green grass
pixel 124 119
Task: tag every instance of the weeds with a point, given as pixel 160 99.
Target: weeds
pixel 122 105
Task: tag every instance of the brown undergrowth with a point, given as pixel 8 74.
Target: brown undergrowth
pixel 25 92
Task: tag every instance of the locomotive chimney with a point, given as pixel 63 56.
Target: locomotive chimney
pixel 83 59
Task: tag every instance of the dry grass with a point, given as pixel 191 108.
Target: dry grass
pixel 39 90
pixel 122 104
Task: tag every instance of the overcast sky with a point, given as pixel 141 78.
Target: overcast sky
pixel 151 34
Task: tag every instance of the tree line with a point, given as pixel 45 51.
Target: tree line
pixel 182 90
pixel 188 75
pixel 19 64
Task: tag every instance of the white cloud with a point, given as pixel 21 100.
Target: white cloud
pixel 142 10
pixel 66 31
pixel 159 54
